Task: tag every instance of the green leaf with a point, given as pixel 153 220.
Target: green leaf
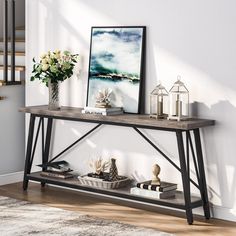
pixel 67 53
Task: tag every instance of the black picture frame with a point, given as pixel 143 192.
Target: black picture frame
pixel 141 76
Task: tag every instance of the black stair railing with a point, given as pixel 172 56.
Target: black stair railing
pixel 9 4
pixel 5 40
pixel 13 40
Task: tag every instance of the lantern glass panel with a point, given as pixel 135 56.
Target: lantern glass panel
pixel 178 101
pixel 153 105
pixel 159 102
pixel 178 104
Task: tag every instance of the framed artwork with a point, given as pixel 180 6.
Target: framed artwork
pixel 116 64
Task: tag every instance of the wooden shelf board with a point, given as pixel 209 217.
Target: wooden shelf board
pixel 128 120
pixel 124 193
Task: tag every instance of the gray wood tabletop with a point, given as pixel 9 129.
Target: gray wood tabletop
pixel 142 121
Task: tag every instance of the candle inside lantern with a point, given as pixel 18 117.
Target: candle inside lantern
pixel 179 101
pixel 178 106
pixel 160 107
pixel 158 100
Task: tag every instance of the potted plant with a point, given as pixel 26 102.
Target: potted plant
pixel 53 68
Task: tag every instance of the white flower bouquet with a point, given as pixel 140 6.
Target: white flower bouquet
pixel 54 66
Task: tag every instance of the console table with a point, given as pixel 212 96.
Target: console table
pixel 192 140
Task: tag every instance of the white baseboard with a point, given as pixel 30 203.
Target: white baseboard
pixel 11 178
pixel 218 212
pixel 224 213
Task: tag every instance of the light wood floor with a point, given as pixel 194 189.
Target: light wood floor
pixel 145 216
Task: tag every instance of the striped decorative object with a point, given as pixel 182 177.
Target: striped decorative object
pixel 99 183
pixel 113 173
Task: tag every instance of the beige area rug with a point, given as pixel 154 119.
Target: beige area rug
pixel 19 218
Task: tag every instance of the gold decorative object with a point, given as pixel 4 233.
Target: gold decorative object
pixel 178 101
pixel 156 171
pixel 102 98
pixel 159 102
pixel 99 165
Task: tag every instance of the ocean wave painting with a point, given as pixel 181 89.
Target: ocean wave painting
pixel 116 63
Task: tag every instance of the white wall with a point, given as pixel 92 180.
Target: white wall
pixel 193 38
pixel 12 129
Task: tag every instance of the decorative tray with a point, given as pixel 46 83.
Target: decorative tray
pixel 100 183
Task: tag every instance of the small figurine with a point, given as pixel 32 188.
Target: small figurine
pixel 102 99
pixel 99 166
pixel 156 171
pixel 113 173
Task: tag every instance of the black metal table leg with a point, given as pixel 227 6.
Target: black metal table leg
pixel 46 146
pixel 202 177
pixel 185 177
pixel 29 151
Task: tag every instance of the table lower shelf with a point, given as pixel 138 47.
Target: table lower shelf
pixel 124 193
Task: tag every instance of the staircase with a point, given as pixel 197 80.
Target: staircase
pixel 19 57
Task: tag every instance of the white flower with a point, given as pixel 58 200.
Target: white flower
pixel 44 61
pixel 57 55
pixel 43 56
pixel 49 55
pixel 56 62
pixel 57 51
pixel 45 67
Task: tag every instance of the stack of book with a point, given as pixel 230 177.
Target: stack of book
pixel 146 189
pixel 103 111
pixel 57 169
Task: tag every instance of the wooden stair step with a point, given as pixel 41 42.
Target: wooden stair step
pixel 3 83
pixel 20 28
pixel 17 68
pixel 16 40
pixel 17 53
